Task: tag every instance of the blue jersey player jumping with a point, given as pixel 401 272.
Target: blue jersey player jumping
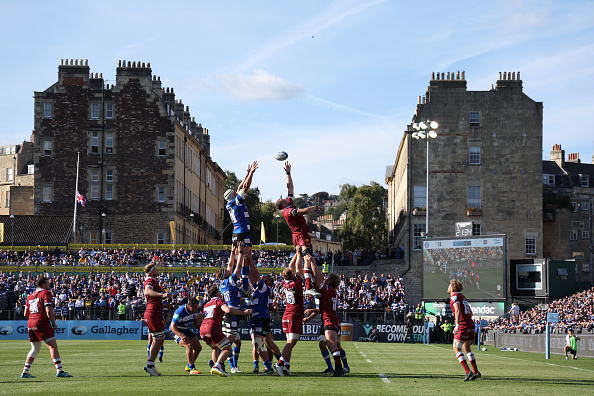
pixel 241 218
pixel 184 317
pixel 231 283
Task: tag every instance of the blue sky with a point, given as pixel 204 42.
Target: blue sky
pixel 333 83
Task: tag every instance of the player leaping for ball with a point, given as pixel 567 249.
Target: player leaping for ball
pixel 463 329
pixel 241 219
pixel 296 221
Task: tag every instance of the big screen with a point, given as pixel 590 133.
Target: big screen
pixel 478 262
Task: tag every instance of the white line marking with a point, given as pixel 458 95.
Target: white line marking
pixel 364 355
pixel 368 361
pixel 530 361
pixel 384 378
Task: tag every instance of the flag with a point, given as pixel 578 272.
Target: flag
pixel 263 234
pixel 81 199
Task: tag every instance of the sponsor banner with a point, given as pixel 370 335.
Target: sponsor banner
pixel 391 332
pixel 9 268
pixel 479 309
pixel 77 330
pixel 311 331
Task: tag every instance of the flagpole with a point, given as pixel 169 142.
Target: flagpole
pixel 75 193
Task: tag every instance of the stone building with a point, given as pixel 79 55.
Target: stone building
pixel 485 167
pixel 568 199
pixel 144 161
pixel 16 179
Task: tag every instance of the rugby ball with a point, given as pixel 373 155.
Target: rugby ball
pixel 484 349
pixel 281 156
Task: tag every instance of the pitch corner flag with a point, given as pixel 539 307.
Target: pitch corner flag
pixel 263 234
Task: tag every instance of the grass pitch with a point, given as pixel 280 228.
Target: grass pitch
pixel 116 367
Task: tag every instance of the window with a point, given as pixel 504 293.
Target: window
pixel 94 111
pixel 420 196
pixel 109 192
pixel 549 180
pixel 529 277
pixel 585 234
pixel 574 206
pixel 94 175
pixel 577 224
pixel 95 142
pixel 109 143
pixel 47 194
pixel 94 238
pixel 531 246
pixel 160 238
pixel 476 229
pixel 47 148
pixel 30 169
pixel 577 255
pixel 161 194
pixel 109 176
pixel 474 197
pixel 475 118
pixel 47 110
pixel 108 238
pixel 418 234
pixel 573 235
pixel 475 156
pixel 585 205
pixel 584 181
pixel 8 199
pixel 109 111
pixel 9 174
pixel 94 192
pixel 162 149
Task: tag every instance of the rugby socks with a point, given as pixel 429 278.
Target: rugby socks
pixel 245 277
pixel 236 351
pixel 472 361
pixel 27 367
pixel 268 365
pixel 148 350
pixel 337 361
pixel 231 361
pixel 150 364
pixel 58 364
pixel 281 361
pixel 344 359
pixel 307 272
pixel 257 364
pixel 462 360
pixel 326 356
pixel 161 351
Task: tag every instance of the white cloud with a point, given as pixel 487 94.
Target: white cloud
pixel 260 85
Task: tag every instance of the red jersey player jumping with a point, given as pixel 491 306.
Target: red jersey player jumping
pixel 299 228
pixel 463 329
pixel 39 310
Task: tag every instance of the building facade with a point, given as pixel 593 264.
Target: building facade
pixel 144 161
pixel 485 167
pixel 16 179
pixel 568 199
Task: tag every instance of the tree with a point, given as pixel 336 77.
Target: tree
pixel 365 226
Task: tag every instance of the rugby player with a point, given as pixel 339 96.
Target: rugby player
pixel 153 315
pixel 184 317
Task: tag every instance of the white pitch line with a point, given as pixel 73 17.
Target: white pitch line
pixel 384 378
pixel 364 355
pixel 368 361
pixel 531 361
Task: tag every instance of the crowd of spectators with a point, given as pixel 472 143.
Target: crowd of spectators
pixel 97 295
pixel 575 311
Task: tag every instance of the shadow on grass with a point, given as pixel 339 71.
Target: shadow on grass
pixel 556 381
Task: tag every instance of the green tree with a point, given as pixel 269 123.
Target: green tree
pixel 365 226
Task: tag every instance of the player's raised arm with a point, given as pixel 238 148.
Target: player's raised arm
pixel 296 264
pixel 317 274
pixel 307 210
pixel 231 263
pixel 289 178
pixel 254 273
pixel 240 261
pixel 247 181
